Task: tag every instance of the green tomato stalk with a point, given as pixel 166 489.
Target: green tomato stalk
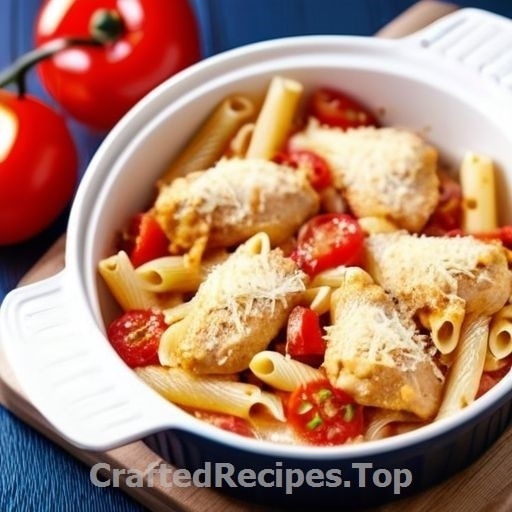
pixel 106 27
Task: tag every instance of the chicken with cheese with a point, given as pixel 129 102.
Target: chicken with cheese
pixel 428 274
pixel 228 203
pixel 381 172
pixel 375 353
pixel 237 311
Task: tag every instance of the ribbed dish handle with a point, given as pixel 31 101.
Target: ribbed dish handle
pixel 474 39
pixel 60 365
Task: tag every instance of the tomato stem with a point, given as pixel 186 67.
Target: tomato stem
pixel 16 72
pixel 106 26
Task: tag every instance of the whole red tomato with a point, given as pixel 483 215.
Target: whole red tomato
pixel 38 166
pixel 98 85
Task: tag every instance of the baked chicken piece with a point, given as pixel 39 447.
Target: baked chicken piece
pixel 375 353
pixel 228 203
pixel 441 279
pixel 236 312
pixel 380 172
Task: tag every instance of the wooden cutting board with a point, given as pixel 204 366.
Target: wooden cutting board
pixel 484 486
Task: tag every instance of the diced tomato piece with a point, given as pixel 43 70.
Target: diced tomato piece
pixel 227 422
pixel 336 108
pixel 447 216
pixel 145 240
pixel 490 379
pixel 135 336
pixel 329 240
pixel 304 340
pixel 317 169
pixel 324 415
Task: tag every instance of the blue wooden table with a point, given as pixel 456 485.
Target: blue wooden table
pixel 36 475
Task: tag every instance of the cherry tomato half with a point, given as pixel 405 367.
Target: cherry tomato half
pixel 304 340
pixel 329 240
pixel 97 85
pixel 324 415
pixel 336 108
pixel 135 336
pixel 145 240
pixel 317 169
pixel 38 166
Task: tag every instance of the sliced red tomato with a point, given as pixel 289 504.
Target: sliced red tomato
pixel 304 340
pixel 329 240
pixel 490 379
pixel 227 422
pixel 145 240
pixel 324 415
pixel 317 169
pixel 136 334
pixel 336 108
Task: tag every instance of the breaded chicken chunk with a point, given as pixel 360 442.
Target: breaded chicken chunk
pixel 236 312
pixel 375 353
pixel 436 273
pixel 225 205
pixel 381 172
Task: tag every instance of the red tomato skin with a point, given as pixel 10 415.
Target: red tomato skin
pixel 316 167
pixel 490 379
pixel 227 422
pixel 98 85
pixel 447 216
pixel 304 340
pixel 38 172
pixel 341 419
pixel 135 336
pixel 147 240
pixel 336 108
pixel 329 240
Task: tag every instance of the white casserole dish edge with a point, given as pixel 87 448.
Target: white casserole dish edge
pixel 52 331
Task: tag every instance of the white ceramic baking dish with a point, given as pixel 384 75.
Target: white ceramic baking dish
pixel 453 79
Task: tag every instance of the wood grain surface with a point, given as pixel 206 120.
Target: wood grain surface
pixel 484 486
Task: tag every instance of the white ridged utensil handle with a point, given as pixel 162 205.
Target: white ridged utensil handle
pixel 474 39
pixel 61 366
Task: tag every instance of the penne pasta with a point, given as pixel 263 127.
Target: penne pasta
pixel 176 273
pixel 464 375
pixel 333 277
pixel 240 143
pixel 318 299
pixel 212 139
pixel 257 244
pixel 170 273
pixel 211 393
pixel 123 282
pixel 478 192
pixel 274 121
pixel 500 333
pixel 491 363
pixel 372 225
pixel 445 327
pixel 282 372
pixel 178 312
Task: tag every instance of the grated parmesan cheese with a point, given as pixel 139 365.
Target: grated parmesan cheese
pixel 386 172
